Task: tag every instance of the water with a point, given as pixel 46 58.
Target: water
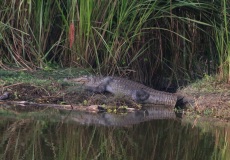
pixel 53 134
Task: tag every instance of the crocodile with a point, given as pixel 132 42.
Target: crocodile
pixel 122 86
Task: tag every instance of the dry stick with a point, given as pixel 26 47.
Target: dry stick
pixel 13 85
pixel 90 108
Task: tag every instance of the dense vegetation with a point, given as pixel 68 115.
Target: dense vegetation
pixel 145 39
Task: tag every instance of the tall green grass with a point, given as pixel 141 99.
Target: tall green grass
pixel 138 38
pixel 222 40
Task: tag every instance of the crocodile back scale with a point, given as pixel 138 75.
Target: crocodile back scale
pixel 121 86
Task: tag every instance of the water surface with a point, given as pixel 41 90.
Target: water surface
pixel 57 134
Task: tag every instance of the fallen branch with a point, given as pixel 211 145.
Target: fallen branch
pixel 90 108
pixel 93 108
pixel 13 85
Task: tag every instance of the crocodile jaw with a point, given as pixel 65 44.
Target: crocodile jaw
pixel 81 80
pixel 90 81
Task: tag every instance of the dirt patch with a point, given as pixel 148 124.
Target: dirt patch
pixel 214 103
pixel 27 92
pixel 64 95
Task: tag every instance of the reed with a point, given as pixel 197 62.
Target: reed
pixel 222 42
pixel 139 38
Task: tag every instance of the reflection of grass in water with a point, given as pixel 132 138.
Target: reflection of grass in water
pixel 92 143
pixel 222 145
pixel 144 142
pixel 30 139
pixel 20 141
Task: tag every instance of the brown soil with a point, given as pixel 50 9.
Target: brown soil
pixel 210 103
pixel 62 95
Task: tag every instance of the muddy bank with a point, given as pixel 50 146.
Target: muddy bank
pixel 64 94
pixel 211 98
pixel 205 104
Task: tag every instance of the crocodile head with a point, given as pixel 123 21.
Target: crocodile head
pixel 80 80
pixel 92 81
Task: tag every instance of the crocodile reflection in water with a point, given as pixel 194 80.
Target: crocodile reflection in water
pixel 121 86
pixel 109 119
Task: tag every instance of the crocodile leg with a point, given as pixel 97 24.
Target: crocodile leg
pixel 140 95
pixel 98 89
pixel 101 87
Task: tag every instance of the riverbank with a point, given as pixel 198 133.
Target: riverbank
pixel 211 97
